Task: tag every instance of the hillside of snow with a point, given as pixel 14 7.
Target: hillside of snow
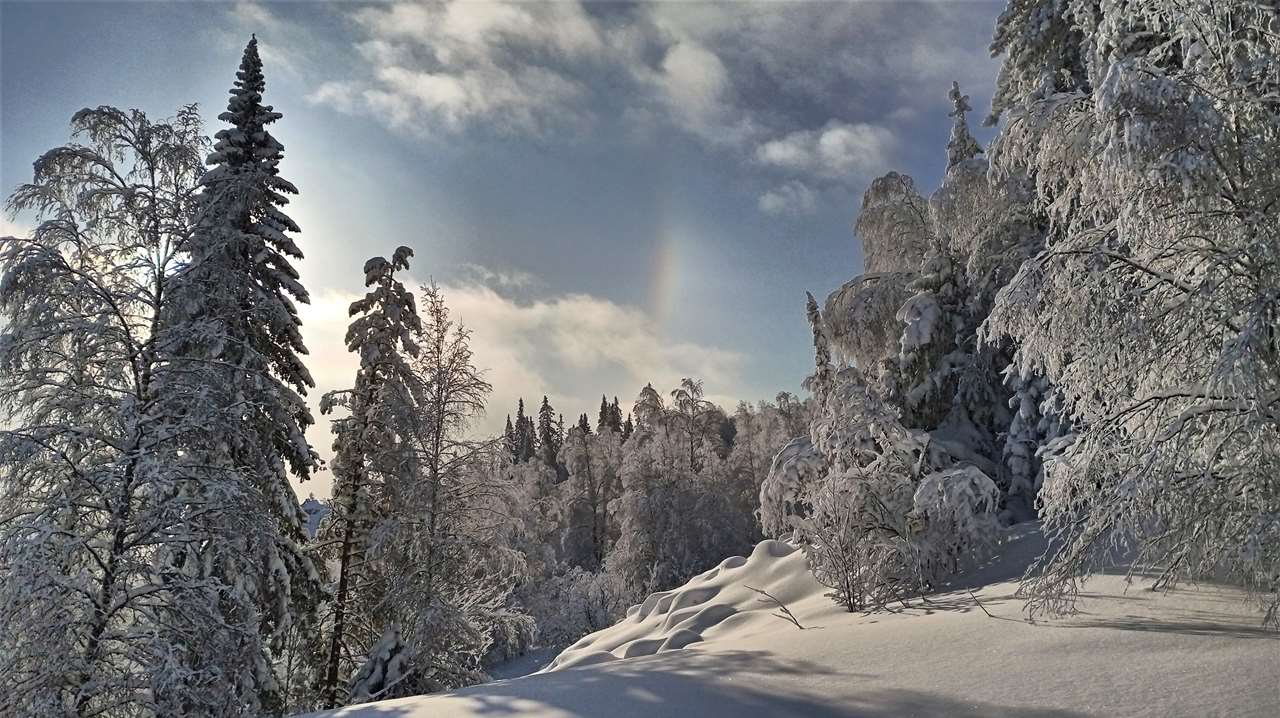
pixel 713 648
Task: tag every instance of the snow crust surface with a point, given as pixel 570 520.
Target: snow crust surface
pixel 712 648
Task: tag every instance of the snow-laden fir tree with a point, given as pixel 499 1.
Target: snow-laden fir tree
pixel 549 438
pixel 383 671
pixel 526 435
pixel 238 370
pixel 113 597
pixel 610 416
pixel 962 146
pixel 509 438
pixel 912 330
pixel 1034 429
pixel 1153 143
pixel 371 455
pixel 1046 43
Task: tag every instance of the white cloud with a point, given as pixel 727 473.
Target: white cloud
pixel 447 66
pixel 523 343
pixel 755 79
pixel 279 41
pixel 552 346
pixel 514 99
pixel 252 13
pixel 838 151
pixel 504 278
pixel 10 228
pixel 790 198
pixel 696 85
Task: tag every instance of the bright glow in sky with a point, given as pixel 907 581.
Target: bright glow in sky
pixel 610 194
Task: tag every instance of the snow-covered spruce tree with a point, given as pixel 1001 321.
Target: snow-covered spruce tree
pixel 930 359
pixel 549 436
pixel 526 436
pixel 385 670
pixel 615 415
pixel 371 452
pixel 962 146
pixel 509 439
pixel 450 570
pixel 238 370
pixel 1036 425
pixel 1046 43
pixel 1152 310
pixel 104 505
pixel 947 382
pixel 912 331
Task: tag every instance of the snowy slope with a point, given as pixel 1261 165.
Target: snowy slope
pixel 712 648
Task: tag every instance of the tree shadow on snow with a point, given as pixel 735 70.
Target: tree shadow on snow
pixel 698 684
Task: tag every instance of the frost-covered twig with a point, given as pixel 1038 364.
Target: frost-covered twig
pixel 784 611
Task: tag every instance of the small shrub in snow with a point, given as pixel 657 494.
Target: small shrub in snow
pixel 577 602
pixel 386 673
pixel 956 512
pixel 857 538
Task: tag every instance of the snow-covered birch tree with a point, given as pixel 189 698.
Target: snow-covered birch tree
pixel 109 603
pixel 1151 132
pixel 444 542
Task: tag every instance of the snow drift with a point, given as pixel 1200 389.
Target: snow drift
pixel 719 602
pixel 712 649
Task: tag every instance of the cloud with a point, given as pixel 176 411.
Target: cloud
pixel 696 87
pixel 507 279
pixel 280 44
pixel 837 151
pixel 790 198
pixel 562 338
pixel 255 15
pixel 570 347
pixel 817 93
pixel 11 228
pixel 445 67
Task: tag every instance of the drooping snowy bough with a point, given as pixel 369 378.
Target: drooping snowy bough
pixel 1151 131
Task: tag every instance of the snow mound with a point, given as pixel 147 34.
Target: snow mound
pixel 711 603
pixel 965 652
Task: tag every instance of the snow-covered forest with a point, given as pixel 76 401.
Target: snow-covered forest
pixel 1075 331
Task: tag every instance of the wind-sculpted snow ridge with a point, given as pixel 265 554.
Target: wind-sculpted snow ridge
pixel 718 601
pixel 963 652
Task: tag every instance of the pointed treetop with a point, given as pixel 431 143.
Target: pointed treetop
pixel 247 141
pixel 962 145
pixel 822 354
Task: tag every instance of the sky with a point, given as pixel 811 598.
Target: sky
pixel 609 193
